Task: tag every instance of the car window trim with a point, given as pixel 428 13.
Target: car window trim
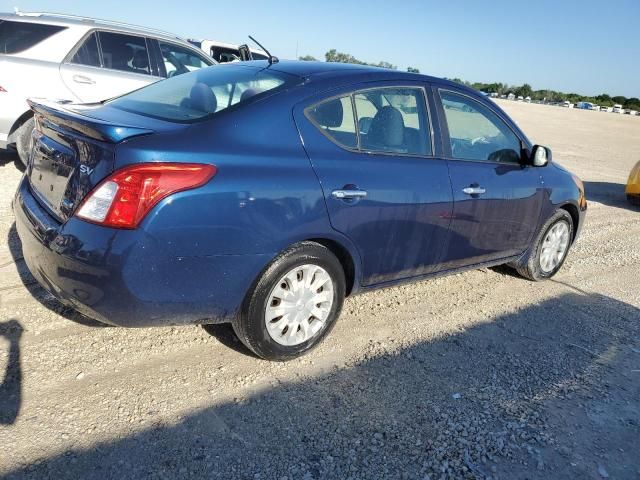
pixel 444 128
pixel 351 94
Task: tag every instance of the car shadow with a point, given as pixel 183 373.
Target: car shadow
pixel 470 404
pixel 9 156
pixel 39 293
pixel 223 332
pixel 11 381
pixel 608 193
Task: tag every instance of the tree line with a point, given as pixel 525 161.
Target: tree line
pixel 524 90
pixel 334 56
pixel 553 96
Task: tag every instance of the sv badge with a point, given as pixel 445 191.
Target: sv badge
pixel 87 170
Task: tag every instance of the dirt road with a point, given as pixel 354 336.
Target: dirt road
pixel 477 375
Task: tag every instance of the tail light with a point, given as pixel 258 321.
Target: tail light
pixel 124 198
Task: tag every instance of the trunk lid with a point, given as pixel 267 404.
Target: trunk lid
pixel 73 151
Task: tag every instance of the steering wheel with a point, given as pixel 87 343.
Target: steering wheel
pixel 480 139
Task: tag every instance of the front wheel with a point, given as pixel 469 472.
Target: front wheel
pixel 294 304
pixel 549 250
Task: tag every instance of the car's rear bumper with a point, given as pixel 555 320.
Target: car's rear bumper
pixel 126 278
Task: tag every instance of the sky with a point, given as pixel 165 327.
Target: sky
pixel 586 47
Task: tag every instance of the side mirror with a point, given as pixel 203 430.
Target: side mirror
pixel 540 156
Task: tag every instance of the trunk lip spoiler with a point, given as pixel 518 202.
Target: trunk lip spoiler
pixel 92 127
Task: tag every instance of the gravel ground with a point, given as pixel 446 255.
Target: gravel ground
pixel 476 375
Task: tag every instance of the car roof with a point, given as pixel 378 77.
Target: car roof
pixel 88 23
pixel 356 72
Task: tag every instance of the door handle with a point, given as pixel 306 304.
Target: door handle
pixel 348 194
pixel 474 190
pixel 83 79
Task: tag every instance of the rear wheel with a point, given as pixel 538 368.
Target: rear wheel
pixel 294 304
pixel 549 250
pixel 634 200
pixel 24 140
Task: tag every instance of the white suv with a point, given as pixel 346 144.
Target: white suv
pixel 80 60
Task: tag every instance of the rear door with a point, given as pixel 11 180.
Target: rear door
pixel 107 64
pixel 497 199
pixel 384 187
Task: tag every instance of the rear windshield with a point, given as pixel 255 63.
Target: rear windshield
pixel 200 94
pixel 16 37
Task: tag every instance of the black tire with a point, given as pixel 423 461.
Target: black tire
pixel 24 140
pixel 250 326
pixel 529 265
pixel 634 200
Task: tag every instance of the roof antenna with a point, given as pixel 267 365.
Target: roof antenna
pixel 272 59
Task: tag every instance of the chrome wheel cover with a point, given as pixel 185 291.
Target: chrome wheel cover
pixel 554 246
pixel 299 305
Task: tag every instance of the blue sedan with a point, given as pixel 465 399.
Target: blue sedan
pixel 263 194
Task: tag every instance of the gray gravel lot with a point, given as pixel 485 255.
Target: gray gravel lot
pixel 476 375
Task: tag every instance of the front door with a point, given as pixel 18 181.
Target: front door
pixel 497 199
pixel 372 150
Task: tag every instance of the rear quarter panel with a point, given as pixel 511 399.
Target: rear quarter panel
pixel 264 197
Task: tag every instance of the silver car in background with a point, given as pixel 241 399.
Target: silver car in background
pixel 80 60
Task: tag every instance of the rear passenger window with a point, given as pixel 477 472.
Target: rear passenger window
pixel 388 120
pixel 87 54
pixel 476 133
pixel 127 53
pixel 335 119
pixel 393 120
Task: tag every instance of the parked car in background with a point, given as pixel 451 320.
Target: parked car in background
pixel 567 104
pixel 584 105
pixel 226 52
pixel 632 189
pixel 595 108
pixel 262 194
pixel 605 109
pixel 75 59
pixel 617 108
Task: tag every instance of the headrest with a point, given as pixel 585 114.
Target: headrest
pixel 140 60
pixel 248 93
pixel 387 127
pixel 202 98
pixel 329 114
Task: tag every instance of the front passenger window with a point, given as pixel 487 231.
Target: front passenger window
pixel 178 60
pixel 476 133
